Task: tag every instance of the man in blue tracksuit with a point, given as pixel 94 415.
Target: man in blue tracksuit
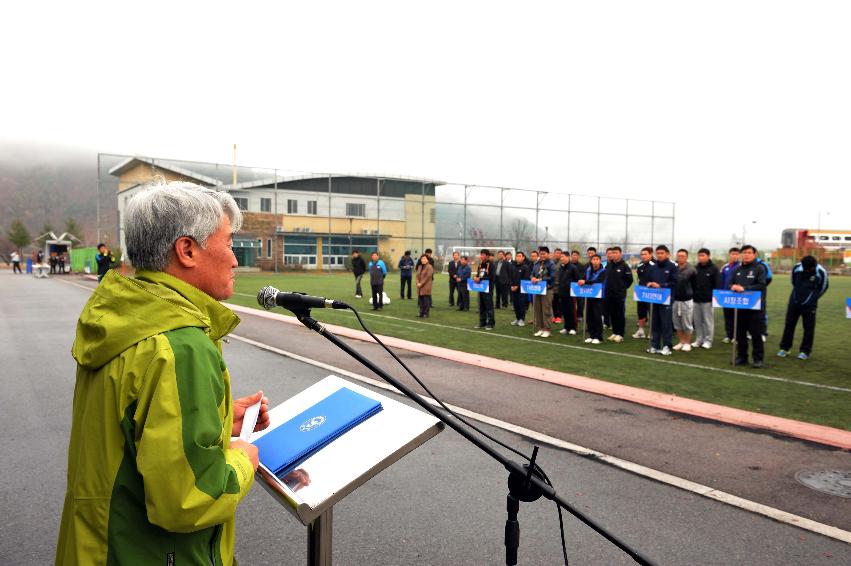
pixel 595 273
pixel 727 280
pixel 662 275
pixel 809 283
pixel 768 277
pixel 462 274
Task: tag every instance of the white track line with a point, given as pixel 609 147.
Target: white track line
pixel 638 469
pixel 648 358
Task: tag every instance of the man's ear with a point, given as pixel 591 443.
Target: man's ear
pixel 184 251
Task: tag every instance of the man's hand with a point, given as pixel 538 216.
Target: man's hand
pixel 737 288
pixel 580 282
pixel 534 280
pixel 653 285
pixel 250 451
pixel 239 406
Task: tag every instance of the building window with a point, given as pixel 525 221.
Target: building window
pixel 431 215
pixel 353 209
pixel 241 202
pixel 259 248
pixel 311 207
pixel 265 205
pixel 269 248
pixel 292 206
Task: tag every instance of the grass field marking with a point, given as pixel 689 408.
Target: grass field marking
pixel 614 461
pixel 648 358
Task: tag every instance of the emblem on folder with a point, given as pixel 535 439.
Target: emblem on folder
pixel 313 423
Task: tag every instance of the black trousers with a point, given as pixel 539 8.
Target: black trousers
pixel 567 312
pixel 377 296
pixel 452 286
pixel 405 281
pixel 486 317
pixel 728 322
pixel 425 304
pixel 580 308
pixel 16 267
pixel 662 327
pixel 557 306
pixel 616 309
pixel 502 291
pixel 520 305
pixel 594 319
pixel 463 296
pixel 793 313
pixel 750 321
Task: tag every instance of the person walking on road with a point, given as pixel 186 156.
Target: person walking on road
pixel 809 283
pixel 153 475
pixel 16 262
pixel 105 260
pixel 358 268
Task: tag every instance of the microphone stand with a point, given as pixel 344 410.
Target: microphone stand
pixel 525 481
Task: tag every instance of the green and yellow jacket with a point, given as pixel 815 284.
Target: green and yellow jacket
pixel 151 477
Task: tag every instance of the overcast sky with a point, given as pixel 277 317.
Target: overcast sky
pixel 738 111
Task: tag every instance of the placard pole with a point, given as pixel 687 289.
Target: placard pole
pixel 735 334
pixel 319 539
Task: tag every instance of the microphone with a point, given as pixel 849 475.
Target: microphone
pixel 269 298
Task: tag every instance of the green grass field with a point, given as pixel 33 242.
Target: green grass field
pixel 708 376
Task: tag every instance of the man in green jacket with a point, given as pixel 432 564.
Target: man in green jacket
pixel 153 476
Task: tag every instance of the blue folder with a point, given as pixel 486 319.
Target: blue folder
pixel 291 443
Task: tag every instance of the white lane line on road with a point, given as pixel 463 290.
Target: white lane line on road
pixel 647 358
pixel 638 469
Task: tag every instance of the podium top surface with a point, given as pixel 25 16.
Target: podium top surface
pixel 352 459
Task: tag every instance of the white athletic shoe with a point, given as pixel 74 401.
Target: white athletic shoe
pixel 695 344
pixel 706 345
pixel 665 351
pixel 726 340
pixel 686 347
pixel 678 346
pixel 639 333
pixel 359 296
pixel 538 333
pixel 611 338
pixel 652 350
pixel 545 334
pixel 572 333
pixel 617 338
pixel 588 340
pixel 513 323
pixel 521 323
pixel 595 341
pixel 563 331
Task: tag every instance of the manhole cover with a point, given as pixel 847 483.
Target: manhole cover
pixel 831 482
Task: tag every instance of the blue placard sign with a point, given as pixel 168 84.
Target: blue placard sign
pixel 848 308
pixel 592 291
pixel 748 300
pixel 482 286
pixel 657 296
pixel 530 288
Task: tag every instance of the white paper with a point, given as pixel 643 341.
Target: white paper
pixel 249 421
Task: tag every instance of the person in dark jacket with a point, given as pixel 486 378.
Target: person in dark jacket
pixel 358 268
pixel 578 304
pixel 707 280
pixel 485 273
pixel 406 272
pixel 462 274
pixel 662 275
pixel 642 308
pixel 749 276
pixel 618 280
pixel 809 283
pixel 377 273
pixel 594 273
pixel 452 269
pixel 557 314
pixel 105 260
pixel 683 311
pixel 522 271
pixel 502 273
pixel 543 272
pixel 567 274
pixel 726 281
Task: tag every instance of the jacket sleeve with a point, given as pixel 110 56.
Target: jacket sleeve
pixel 671 283
pixel 192 479
pixel 716 279
pixel 627 278
pixel 824 281
pixel 759 282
